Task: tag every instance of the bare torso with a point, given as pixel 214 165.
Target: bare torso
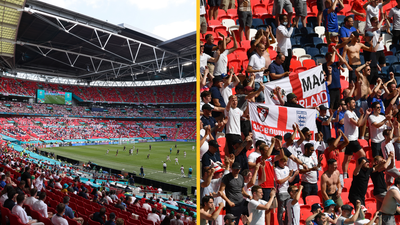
pixel 389 205
pixel 353 53
pixel 331 182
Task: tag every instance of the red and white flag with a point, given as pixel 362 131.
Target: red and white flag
pixel 270 120
pixel 309 87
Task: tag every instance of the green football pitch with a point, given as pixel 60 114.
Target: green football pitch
pixel 55 99
pixel 153 168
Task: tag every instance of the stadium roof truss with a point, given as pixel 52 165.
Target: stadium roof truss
pixel 68 47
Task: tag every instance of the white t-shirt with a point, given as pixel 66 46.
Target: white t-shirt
pixel 386 149
pixel 153 217
pixel 258 215
pixel 257 62
pixel 226 92
pixel 375 39
pixel 30 201
pixel 58 220
pixel 41 207
pixel 39 183
pixel 372 12
pixel 376 134
pixel 203 61
pixel 395 13
pixel 293 213
pixel 350 130
pixel 281 173
pixel 221 64
pixel 295 149
pixel 233 125
pixel 311 176
pixel 253 158
pixel 204 147
pixel 20 212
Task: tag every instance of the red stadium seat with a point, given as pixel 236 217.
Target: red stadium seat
pixel 311 199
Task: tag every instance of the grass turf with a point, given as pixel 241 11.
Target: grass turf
pixel 55 99
pixel 153 168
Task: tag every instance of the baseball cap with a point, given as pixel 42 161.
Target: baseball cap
pixel 322 107
pixel 334 34
pixel 229 217
pixel 224 75
pixel 248 88
pixel 369 34
pixel 291 96
pixel 237 140
pixel 236 166
pixel 65 186
pixel 329 202
pixel 213 143
pixel 347 207
pixel 217 79
pixel 315 206
pixel 206 107
pixel 287 136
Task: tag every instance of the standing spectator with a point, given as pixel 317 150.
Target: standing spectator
pixel 245 18
pixel 346 217
pixel 278 8
pixel 257 65
pixel 208 211
pixel 309 176
pixel 283 177
pixel 395 13
pixel 324 122
pixel 346 30
pixel 372 8
pixel 252 158
pixel 283 37
pixel 387 148
pixel 377 124
pixel 389 205
pixel 333 149
pixel 212 155
pixel 205 58
pixel 222 63
pixel 232 191
pixel 330 17
pixel 330 183
pixel 359 184
pixel 233 126
pixel 209 49
pixel 351 124
pixel 203 20
pixel 213 10
pixel 217 99
pixel 378 178
pixel 338 120
pixel 300 7
pixel 226 89
pixel 359 15
pixel 293 206
pixel 26 176
pixel 257 205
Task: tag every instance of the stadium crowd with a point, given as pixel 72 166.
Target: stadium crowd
pixel 38 192
pixel 301 177
pixel 175 93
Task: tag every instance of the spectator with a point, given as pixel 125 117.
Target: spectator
pixel 147 206
pixel 229 219
pixel 330 17
pixel 359 15
pixel 58 218
pixel 376 95
pixel 208 211
pixel 240 149
pixel 245 18
pixel 351 124
pixel 153 216
pixel 111 221
pixel 12 198
pixel 284 45
pixel 217 99
pixel 346 30
pixel 300 7
pixel 222 63
pixel 389 205
pixel 31 199
pixel 257 205
pixel 320 219
pixel 41 207
pixel 346 217
pixel 233 126
pixel 324 122
pixel 359 183
pixel 330 183
pixel 333 149
pixel 276 70
pixel 293 205
pixel 283 177
pixel 232 191
pixel 387 147
pixel 213 10
pixel 377 39
pixel 208 120
pixel 315 209
pixel 226 89
pixel 278 8
pixel 20 212
pixel 309 177
pixel 209 49
pixel 69 212
pixel 100 216
pixel 203 21
pixel 395 13
pixel 211 155
pixel 26 176
pixel 377 124
pixel 372 8
pixel 205 97
pixel 378 178
pixel 205 59
pixel 257 65
pixel 3 181
pixel 291 99
pixel 39 182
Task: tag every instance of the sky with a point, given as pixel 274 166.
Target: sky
pixel 165 18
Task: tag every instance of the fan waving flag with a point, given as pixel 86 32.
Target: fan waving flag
pixel 270 120
pixel 309 87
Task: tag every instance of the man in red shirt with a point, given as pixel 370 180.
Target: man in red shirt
pixel 360 16
pixel 269 160
pixel 333 149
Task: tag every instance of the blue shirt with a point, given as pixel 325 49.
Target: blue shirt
pixel 344 33
pixel 68 212
pixel 2 183
pixel 372 100
pixel 337 124
pixel 331 21
pixel 275 68
pixel 335 75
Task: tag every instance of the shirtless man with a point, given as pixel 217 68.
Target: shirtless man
pixel 353 50
pixel 330 184
pixel 389 204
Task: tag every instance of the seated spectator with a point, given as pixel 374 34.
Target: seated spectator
pixel 58 218
pixel 41 207
pixel 347 217
pixel 120 206
pixel 3 181
pixel 69 212
pixel 111 221
pixel 100 217
pixel 31 199
pixel 276 69
pixel 147 206
pixel 20 212
pixel 12 198
pixel 153 216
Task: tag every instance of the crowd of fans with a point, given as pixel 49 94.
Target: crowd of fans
pixel 299 178
pixel 37 192
pixel 158 94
